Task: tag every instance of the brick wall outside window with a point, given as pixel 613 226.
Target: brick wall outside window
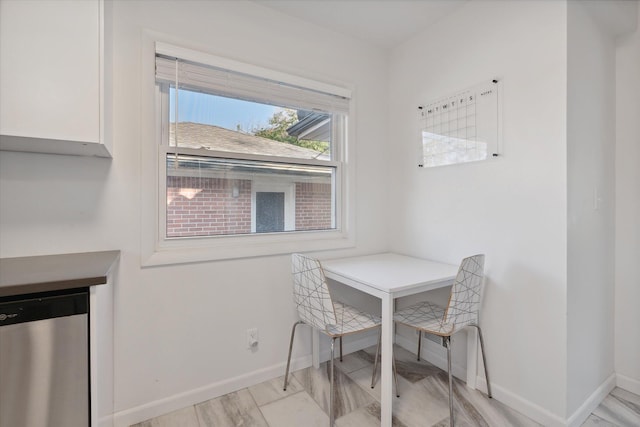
pixel 206 206
pixel 313 206
pixel 209 210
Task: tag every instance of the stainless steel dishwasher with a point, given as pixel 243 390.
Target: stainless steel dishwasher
pixel 44 360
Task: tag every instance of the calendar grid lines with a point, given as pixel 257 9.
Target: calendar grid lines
pixel 459 128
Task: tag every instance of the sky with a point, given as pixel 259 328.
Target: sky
pixel 217 110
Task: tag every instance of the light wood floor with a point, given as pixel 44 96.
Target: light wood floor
pixel 423 401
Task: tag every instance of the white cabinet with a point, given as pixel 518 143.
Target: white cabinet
pixel 52 76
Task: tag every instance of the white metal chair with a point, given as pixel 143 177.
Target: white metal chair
pixel 462 310
pixel 317 309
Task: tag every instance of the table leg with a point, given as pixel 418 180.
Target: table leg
pixel 386 388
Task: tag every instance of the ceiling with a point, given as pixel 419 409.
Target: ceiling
pixel 383 23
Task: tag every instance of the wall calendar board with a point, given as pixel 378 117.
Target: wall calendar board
pixel 460 128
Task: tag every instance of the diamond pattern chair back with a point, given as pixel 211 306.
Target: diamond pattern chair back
pixel 464 301
pixel 310 292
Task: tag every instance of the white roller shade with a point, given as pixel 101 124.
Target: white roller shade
pixel 206 78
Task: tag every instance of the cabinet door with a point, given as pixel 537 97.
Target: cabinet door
pixel 50 69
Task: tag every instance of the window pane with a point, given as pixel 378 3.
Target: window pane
pixel 212 196
pixel 234 125
pixel 269 212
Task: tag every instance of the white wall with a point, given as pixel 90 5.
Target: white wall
pixel 591 204
pixel 512 208
pixel 627 269
pixel 180 330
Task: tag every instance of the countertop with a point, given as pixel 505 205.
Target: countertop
pixel 25 275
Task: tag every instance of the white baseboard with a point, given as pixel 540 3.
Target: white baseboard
pixel 105 421
pixel 437 355
pixel 163 406
pixel 628 383
pixel 524 406
pixel 350 345
pixel 542 415
pixel 433 353
pixel 592 402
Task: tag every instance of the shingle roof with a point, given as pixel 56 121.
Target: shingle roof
pixel 197 135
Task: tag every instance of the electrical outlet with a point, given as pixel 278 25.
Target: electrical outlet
pixel 252 337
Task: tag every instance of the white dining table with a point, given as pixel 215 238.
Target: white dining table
pixel 388 276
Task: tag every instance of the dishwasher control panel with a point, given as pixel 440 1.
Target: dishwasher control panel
pixel 34 307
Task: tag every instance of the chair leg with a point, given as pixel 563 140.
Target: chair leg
pixel 341 349
pixel 395 375
pixel 375 361
pixel 419 343
pixel 375 367
pixel 447 343
pixel 484 360
pixel 286 373
pixel 331 385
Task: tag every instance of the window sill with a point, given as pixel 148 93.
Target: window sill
pixel 192 250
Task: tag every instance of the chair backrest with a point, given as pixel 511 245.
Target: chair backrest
pixel 311 293
pixel 464 301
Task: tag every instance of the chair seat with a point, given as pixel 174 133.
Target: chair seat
pixel 350 320
pixel 425 316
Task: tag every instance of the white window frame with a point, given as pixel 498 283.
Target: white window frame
pixel 157 249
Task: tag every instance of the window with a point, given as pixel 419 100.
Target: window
pixel 245 151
